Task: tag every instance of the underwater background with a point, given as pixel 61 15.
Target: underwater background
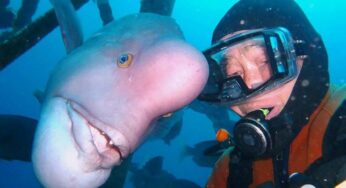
pixel 197 19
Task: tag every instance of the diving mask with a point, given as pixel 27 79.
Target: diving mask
pixel 249 63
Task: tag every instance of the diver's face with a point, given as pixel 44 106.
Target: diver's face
pixel 250 62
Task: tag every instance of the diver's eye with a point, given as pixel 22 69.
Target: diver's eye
pixel 125 60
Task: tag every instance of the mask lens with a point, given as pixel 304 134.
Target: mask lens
pixel 248 59
pixel 249 63
pixel 231 90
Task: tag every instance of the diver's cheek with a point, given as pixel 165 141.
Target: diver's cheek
pixel 275 111
pixel 279 103
pixel 239 110
pixel 280 100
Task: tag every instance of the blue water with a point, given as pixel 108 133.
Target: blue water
pixel 197 19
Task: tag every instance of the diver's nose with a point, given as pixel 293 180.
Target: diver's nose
pixel 253 77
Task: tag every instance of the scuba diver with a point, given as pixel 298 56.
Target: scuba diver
pixel 270 66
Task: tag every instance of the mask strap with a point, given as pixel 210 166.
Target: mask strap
pixel 301 47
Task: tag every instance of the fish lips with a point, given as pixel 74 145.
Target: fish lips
pixel 94 139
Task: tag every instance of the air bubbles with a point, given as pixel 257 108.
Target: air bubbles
pixel 269 9
pixel 305 83
pixel 293 98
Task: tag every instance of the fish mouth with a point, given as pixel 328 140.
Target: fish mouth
pixel 95 138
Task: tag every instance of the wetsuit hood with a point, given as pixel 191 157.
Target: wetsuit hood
pixel 313 81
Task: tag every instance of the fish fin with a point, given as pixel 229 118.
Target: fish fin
pixel 154 165
pixel 173 132
pixel 213 150
pixel 217 149
pixel 185 151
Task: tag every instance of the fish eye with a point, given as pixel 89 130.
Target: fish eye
pixel 125 60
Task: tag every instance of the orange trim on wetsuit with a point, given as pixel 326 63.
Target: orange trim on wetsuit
pixel 218 178
pixel 304 150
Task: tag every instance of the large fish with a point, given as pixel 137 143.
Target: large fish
pixel 102 98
